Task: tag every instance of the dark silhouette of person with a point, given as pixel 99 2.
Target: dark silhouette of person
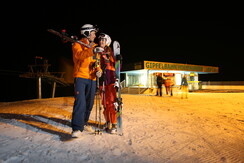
pixel 159 81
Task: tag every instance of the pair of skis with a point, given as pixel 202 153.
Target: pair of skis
pixel 118 104
pixel 64 36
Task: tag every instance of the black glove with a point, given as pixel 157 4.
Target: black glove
pixel 118 57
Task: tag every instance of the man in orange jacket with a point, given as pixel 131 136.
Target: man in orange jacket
pixel 85 74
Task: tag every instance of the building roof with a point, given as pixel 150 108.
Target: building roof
pixel 155 65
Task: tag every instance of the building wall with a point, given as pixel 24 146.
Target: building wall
pixel 147 78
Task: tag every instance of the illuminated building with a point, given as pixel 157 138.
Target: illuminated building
pixel 143 74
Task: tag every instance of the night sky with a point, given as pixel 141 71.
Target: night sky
pixel 201 34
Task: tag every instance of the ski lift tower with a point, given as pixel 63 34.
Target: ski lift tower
pixel 39 71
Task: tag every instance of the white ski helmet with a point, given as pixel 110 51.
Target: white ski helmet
pixel 106 37
pixel 87 29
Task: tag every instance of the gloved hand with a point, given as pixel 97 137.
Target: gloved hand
pixel 98 74
pixel 118 57
pixel 98 50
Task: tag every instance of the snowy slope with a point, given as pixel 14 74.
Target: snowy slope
pixel 207 127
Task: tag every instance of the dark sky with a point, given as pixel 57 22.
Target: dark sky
pixel 184 33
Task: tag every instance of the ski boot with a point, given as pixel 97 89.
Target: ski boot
pixel 113 129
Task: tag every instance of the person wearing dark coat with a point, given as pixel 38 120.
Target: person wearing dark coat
pixel 159 81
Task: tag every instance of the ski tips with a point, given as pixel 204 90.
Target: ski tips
pixel 115 42
pixel 116 45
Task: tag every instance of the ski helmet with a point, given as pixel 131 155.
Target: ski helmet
pixel 106 37
pixel 87 29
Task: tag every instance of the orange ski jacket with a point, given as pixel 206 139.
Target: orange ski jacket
pixel 84 64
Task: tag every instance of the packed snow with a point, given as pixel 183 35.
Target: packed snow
pixel 206 127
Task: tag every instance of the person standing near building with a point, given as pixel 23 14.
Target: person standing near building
pixel 168 83
pixel 107 81
pixel 159 81
pixel 184 87
pixel 84 79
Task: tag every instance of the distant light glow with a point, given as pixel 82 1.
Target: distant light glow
pixel 177 79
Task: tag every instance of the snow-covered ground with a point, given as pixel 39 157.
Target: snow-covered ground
pixel 207 127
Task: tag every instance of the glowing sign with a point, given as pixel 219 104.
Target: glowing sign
pixel 179 67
